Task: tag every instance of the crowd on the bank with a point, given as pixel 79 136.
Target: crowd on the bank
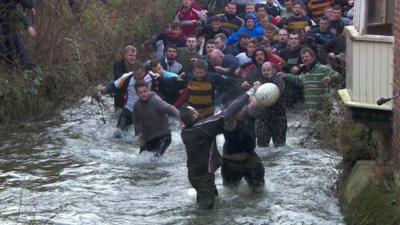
pixel 207 59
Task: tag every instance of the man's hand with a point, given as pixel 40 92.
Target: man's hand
pixel 295 69
pixel 245 85
pixel 332 55
pixel 237 71
pixel 281 74
pixel 103 90
pixel 31 31
pixel 220 69
pixel 256 85
pixel 181 77
pixel 326 81
pixel 156 76
pixel 196 22
pixel 141 140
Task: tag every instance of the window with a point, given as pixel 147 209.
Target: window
pixel 380 16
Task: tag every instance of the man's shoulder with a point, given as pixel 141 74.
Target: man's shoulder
pixel 276 57
pixel 321 68
pixel 230 56
pixel 180 49
pixel 301 18
pixel 238 18
pixel 119 63
pixel 304 17
pixel 241 55
pixel 126 75
pixel 314 31
pixel 284 51
pixel 219 15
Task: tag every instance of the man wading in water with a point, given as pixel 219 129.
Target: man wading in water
pixel 150 117
pixel 202 155
pixel 126 84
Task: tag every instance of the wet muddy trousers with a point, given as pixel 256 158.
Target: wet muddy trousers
pixel 125 120
pixel 158 145
pixel 205 189
pixel 252 170
pixel 271 128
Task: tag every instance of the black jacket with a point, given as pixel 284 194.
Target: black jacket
pixel 243 137
pixel 279 108
pixel 119 68
pixel 199 139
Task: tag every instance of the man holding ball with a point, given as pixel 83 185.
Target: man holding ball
pixel 271 120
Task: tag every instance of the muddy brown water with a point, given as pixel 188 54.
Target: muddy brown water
pixel 70 170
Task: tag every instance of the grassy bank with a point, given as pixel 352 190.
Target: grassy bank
pixel 357 141
pixel 373 206
pixel 74 52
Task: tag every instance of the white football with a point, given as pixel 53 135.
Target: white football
pixel 267 94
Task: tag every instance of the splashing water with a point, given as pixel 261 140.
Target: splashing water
pixel 73 171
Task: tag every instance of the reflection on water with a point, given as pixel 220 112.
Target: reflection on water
pixel 72 171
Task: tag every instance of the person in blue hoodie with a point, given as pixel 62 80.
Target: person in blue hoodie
pixel 251 27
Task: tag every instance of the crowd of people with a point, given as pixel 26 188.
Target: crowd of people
pixel 205 60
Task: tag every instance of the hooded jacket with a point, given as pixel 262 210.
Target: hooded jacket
pixel 256 32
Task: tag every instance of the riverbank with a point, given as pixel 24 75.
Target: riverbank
pixel 366 187
pixel 74 53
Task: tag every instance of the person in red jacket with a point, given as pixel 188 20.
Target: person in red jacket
pixel 190 16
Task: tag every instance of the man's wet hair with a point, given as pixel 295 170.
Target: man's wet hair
pixel 298 3
pixel 296 32
pixel 244 36
pixel 324 18
pixel 137 65
pixel 254 41
pixel 141 83
pixel 216 19
pixel 200 64
pixel 271 65
pixel 186 116
pixel 130 48
pixel 171 46
pixel 264 44
pixel 154 63
pixel 192 36
pixel 261 5
pixel 259 49
pixel 337 7
pixel 210 41
pixel 222 36
pixel 307 50
pixel 231 3
pixel 175 25
pixel 283 29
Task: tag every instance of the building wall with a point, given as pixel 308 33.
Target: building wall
pixel 396 89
